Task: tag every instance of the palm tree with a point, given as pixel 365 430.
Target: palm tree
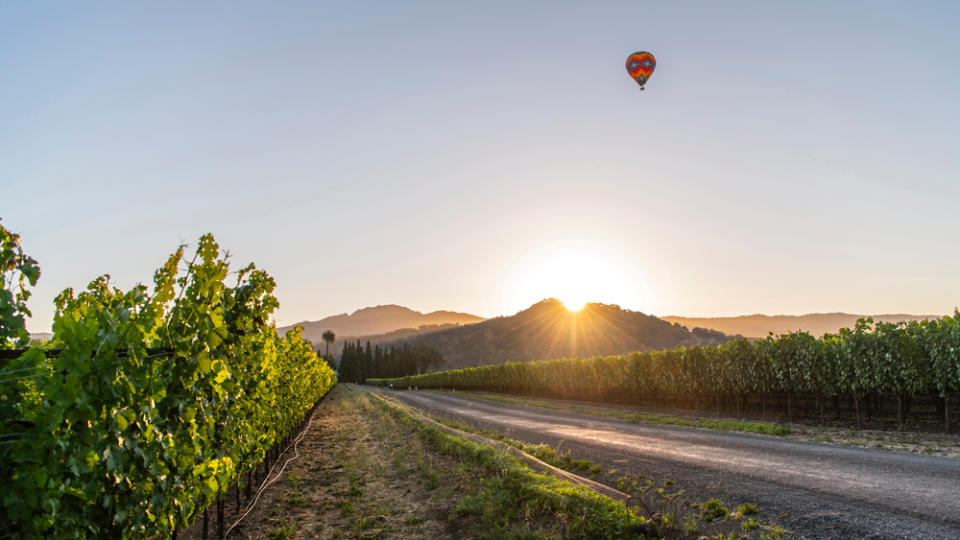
pixel 329 337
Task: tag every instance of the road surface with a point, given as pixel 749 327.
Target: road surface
pixel 825 491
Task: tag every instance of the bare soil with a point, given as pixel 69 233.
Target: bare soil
pixel 912 442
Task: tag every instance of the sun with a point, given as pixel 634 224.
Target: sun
pixel 574 275
pixel 574 302
pixel 574 280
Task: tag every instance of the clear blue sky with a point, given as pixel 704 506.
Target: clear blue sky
pixel 784 158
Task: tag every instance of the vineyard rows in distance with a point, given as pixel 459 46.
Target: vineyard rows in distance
pixel 874 367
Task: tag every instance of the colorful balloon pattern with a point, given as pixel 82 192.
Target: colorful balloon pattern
pixel 640 66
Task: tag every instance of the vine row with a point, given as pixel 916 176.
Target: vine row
pixel 157 401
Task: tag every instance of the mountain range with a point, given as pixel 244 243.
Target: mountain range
pixel 372 321
pixel 758 326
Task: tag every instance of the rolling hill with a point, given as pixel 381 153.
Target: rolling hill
pixel 549 330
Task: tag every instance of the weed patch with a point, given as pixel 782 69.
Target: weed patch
pixel 513 500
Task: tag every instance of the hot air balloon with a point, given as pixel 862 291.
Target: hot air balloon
pixel 640 66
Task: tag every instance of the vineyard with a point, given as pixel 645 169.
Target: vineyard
pixel 872 368
pixel 147 405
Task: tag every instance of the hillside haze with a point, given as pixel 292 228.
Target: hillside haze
pixel 549 330
pixel 758 326
pixel 378 320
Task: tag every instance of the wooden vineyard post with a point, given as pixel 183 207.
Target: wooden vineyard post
pixel 946 414
pixel 821 407
pixel 220 516
pixel 899 411
pixel 856 404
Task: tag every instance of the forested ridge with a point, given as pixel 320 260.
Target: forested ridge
pixel 549 330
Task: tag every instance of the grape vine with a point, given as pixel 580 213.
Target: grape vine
pixel 158 400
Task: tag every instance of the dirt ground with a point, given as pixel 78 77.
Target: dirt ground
pixel 360 474
pixel 913 442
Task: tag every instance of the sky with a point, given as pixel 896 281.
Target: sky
pixel 784 158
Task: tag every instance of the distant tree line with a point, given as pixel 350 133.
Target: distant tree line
pixel 359 363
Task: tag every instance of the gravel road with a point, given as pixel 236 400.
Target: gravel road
pixel 825 491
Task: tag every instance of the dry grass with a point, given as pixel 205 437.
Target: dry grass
pixel 927 443
pixel 360 475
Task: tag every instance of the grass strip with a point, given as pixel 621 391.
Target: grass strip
pixel 762 428
pixel 543 452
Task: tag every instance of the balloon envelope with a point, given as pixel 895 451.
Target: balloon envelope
pixel 640 66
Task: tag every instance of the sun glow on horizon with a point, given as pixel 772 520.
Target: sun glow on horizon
pixel 574 305
pixel 574 275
